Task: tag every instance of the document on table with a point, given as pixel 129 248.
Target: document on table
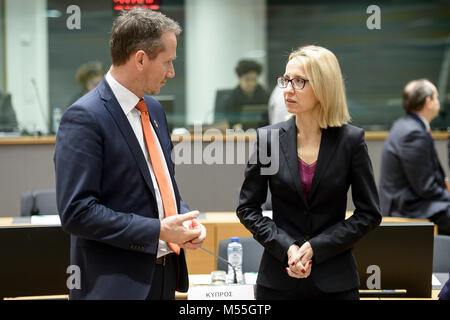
pixel 439 279
pixel 435 281
pixel 46 219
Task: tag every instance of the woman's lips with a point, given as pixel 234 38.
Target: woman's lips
pixel 290 101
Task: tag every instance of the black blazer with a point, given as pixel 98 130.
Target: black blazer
pixel 343 161
pixel 412 181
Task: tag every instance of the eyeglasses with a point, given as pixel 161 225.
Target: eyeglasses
pixel 296 83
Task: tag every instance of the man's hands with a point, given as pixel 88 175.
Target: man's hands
pixel 184 230
pixel 196 242
pixel 299 260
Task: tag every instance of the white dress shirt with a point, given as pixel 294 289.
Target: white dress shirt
pixel 128 101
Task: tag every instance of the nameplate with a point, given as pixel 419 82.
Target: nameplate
pixel 230 292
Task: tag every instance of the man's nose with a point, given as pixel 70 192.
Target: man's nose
pixel 171 71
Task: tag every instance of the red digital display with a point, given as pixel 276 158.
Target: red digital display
pixel 130 4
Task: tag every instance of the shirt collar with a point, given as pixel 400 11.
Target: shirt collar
pixel 425 122
pixel 127 99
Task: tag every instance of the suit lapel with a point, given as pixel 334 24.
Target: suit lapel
pixel 288 144
pixel 112 105
pixel 327 150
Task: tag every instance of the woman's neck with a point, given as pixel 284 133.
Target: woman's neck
pixel 307 126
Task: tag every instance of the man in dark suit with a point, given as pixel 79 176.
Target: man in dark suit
pixel 115 185
pixel 412 181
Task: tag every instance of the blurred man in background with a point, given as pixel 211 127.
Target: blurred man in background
pixel 412 181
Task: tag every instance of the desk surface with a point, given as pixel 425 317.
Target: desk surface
pixel 209 217
pixel 369 135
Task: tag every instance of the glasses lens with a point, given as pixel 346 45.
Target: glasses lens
pixel 298 83
pixel 281 82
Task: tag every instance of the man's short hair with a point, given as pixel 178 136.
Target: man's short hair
pixel 139 29
pixel 88 71
pixel 415 94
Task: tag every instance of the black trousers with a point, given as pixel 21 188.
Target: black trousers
pixel 305 290
pixel 164 281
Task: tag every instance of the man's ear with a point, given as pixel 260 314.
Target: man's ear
pixel 139 58
pixel 427 103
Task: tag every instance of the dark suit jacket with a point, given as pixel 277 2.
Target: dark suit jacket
pixel 343 161
pixel 412 182
pixel 236 99
pixel 444 294
pixel 106 199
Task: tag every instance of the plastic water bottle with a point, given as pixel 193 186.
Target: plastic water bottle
pixel 235 258
pixel 56 118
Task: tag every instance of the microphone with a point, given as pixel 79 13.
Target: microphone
pixel 39 103
pixel 223 260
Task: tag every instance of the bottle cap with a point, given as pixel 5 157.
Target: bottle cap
pixel 235 239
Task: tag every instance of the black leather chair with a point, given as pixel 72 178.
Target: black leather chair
pixel 441 254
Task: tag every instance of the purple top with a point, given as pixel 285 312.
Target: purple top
pixel 306 175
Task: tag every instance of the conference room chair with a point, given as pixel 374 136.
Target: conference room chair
pixel 441 254
pixel 42 201
pixel 252 253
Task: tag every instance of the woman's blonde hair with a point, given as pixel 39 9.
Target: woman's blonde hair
pixel 325 77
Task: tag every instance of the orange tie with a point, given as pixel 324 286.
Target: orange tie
pixel 170 208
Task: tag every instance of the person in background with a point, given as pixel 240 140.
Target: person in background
pixel 115 180
pixel 248 92
pixel 412 181
pixel 8 120
pixel 88 76
pixel 308 242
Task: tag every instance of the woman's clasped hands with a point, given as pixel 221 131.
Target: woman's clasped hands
pixel 299 260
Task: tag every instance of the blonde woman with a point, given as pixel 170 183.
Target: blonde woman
pixel 308 243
